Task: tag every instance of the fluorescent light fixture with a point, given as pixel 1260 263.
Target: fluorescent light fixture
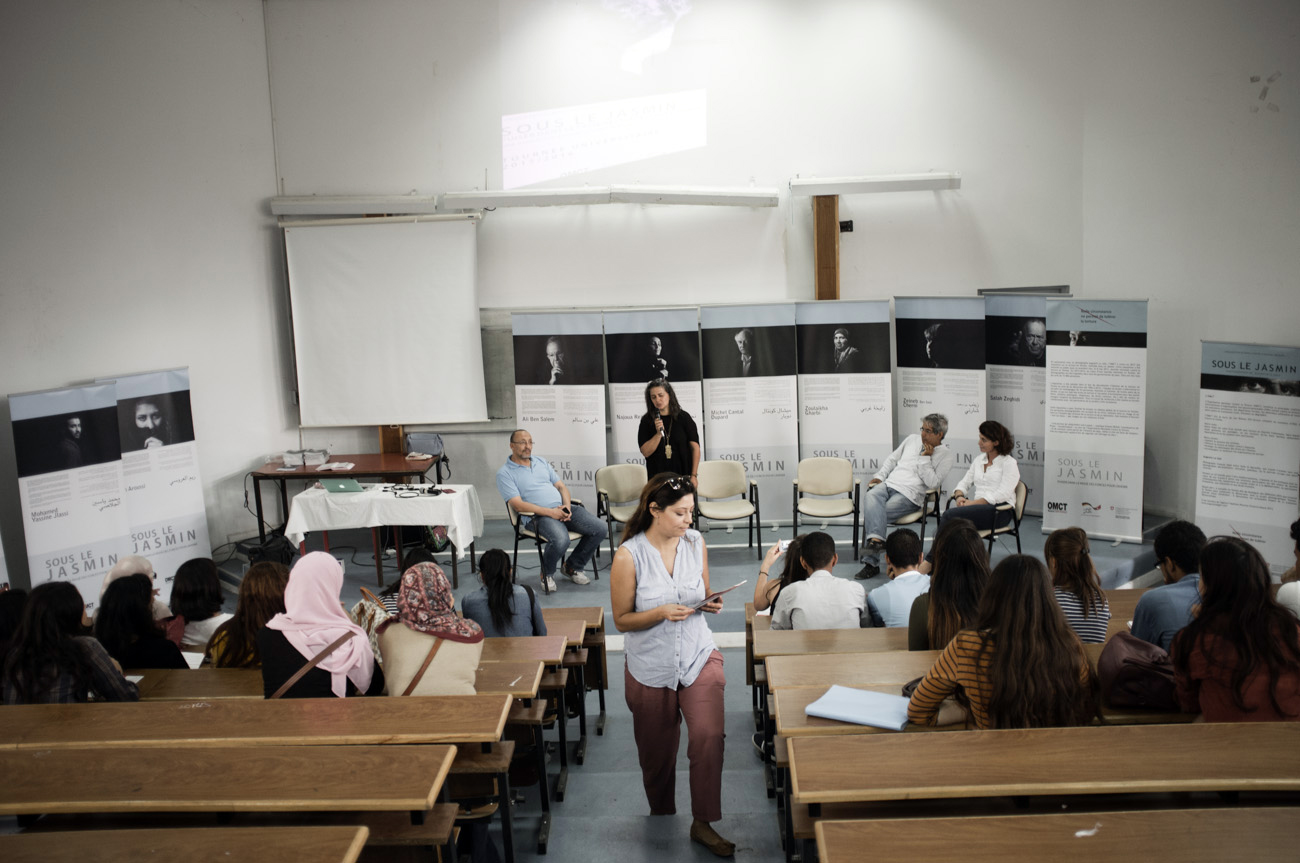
pixel 715 196
pixel 882 183
pixel 352 205
pixel 524 198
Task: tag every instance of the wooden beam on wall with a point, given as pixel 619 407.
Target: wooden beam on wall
pixel 826 246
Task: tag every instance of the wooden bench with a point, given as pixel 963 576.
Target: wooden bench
pixel 1261 835
pixel 341 844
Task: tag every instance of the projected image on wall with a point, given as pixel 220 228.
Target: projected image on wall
pixel 593 51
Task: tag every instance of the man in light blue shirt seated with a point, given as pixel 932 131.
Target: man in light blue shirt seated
pixel 1164 610
pixel 530 485
pixel 891 605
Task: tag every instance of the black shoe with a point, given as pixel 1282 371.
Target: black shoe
pixel 869 570
pixel 875 545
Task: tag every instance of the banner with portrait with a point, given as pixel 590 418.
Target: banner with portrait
pixel 939 345
pixel 70 485
pixel 1248 454
pixel 1096 416
pixel 845 402
pixel 160 471
pixel 644 346
pixel 1015 332
pixel 560 394
pixel 750 394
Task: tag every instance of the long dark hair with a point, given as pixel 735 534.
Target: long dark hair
pixel 995 431
pixel 673 407
pixel 12 603
pixel 792 571
pixel 662 491
pixel 196 590
pixel 43 647
pixel 261 597
pixel 1036 664
pixel 1237 607
pixel 1072 567
pixel 126 615
pixel 961 570
pixel 494 569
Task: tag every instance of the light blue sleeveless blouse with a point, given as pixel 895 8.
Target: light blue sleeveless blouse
pixel 670 653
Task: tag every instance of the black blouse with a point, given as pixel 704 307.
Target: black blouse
pixel 281 660
pixel 680 431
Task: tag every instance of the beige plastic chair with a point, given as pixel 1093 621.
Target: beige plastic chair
pixel 826 476
pixel 526 533
pixel 1017 512
pixel 616 485
pixel 929 507
pixel 726 479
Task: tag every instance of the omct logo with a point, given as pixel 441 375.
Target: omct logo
pixel 1057 506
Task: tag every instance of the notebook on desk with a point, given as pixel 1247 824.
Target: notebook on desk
pixel 341 485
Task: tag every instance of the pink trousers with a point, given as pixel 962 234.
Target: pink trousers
pixel 657 716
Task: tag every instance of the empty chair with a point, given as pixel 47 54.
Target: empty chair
pixel 726 479
pixel 618 488
pixel 826 476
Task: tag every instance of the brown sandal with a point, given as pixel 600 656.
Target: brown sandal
pixel 704 834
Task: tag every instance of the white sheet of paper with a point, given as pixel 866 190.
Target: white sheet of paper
pixel 861 707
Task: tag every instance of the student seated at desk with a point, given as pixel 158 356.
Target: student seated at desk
pixel 820 601
pixel 1020 666
pixel 1239 658
pixel 891 605
pixel 961 570
pixel 1078 589
pixel 261 597
pixel 196 598
pixel 502 608
pixel 767 590
pixel 51 662
pixel 313 620
pixel 126 628
pixel 429 649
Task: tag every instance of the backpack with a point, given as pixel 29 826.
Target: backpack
pixel 1135 673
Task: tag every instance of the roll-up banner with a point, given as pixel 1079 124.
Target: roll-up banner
pixel 1096 416
pixel 560 394
pixel 70 485
pixel 845 402
pixel 1248 456
pixel 939 342
pixel 641 347
pixel 750 395
pixel 160 471
pixel 1015 337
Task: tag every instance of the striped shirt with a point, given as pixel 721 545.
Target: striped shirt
pixel 1090 629
pixel 957 666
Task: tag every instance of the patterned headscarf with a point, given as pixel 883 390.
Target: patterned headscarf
pixel 313 619
pixel 425 604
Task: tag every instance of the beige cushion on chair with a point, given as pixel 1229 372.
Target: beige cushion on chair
pixel 825 507
pixel 825 475
pixel 621 482
pixel 726 509
pixel 719 478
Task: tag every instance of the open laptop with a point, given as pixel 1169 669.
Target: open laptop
pixel 341 485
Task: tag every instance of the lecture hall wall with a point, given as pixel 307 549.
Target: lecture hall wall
pixel 1117 147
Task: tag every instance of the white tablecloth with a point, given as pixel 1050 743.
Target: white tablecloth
pixel 317 509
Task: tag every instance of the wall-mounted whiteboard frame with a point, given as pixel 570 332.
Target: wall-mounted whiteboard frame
pixel 385 321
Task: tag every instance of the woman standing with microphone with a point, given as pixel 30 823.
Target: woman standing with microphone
pixel 658 583
pixel 668 437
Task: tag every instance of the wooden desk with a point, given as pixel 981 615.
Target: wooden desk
pixel 574 630
pixel 390 467
pixel 193 845
pixel 1128 759
pixel 233 722
pixel 785 642
pixel 194 684
pixel 547 648
pixel 517 679
pixel 1262 835
pixel 222 779
pixel 594 617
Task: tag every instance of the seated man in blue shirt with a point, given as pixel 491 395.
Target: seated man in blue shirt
pixel 531 486
pixel 891 605
pixel 1164 610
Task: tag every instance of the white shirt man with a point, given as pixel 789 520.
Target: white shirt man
pixel 821 601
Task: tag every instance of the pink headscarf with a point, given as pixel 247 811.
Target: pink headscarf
pixel 425 604
pixel 313 619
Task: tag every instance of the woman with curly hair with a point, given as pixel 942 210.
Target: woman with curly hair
pixel 1019 666
pixel 1239 658
pixel 990 481
pixel 261 597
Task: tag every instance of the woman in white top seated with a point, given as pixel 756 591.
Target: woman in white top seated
pixel 990 481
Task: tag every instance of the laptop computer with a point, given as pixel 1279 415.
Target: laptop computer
pixel 341 485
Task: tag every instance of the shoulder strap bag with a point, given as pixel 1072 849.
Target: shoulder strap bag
pixel 312 663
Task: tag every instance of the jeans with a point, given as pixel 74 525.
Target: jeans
pixel 556 534
pixel 881 505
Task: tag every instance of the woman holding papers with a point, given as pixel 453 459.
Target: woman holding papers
pixel 658 583
pixel 1020 665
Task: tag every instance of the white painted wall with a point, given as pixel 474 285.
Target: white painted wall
pixel 135 163
pixel 1107 145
